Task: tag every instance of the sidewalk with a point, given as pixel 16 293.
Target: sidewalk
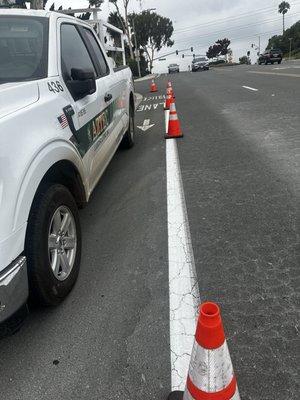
pixel 146 78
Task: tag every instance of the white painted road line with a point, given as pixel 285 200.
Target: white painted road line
pixel 183 286
pixel 167 114
pixel 275 74
pixel 250 88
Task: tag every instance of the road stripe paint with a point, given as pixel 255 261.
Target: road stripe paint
pixel 167 114
pixel 183 286
pixel 274 73
pixel 250 88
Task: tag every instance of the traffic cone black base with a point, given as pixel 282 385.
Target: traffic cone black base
pixel 173 137
pixel 175 395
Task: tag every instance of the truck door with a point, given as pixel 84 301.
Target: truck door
pixel 117 92
pixel 90 117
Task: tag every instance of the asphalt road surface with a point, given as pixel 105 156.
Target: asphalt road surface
pixel 239 161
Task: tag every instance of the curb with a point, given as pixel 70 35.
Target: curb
pixel 146 78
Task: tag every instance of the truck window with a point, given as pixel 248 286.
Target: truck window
pixel 23 48
pixel 74 54
pixel 98 52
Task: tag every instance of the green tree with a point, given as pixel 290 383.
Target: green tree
pixel 224 46
pixel 283 8
pixel 115 20
pixel 153 32
pixel 124 21
pixel 220 48
pixel 243 60
pixel 96 3
pixel 282 41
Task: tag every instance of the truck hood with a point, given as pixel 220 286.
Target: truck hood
pixel 17 95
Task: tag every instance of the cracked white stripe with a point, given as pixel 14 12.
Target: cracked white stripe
pixel 183 286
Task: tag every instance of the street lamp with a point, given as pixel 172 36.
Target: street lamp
pixel 290 39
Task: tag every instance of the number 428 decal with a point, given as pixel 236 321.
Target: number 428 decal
pixel 55 87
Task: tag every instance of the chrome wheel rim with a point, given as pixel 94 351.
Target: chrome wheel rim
pixel 62 243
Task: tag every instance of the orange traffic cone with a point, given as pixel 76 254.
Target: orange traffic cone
pixel 153 87
pixel 169 99
pixel 174 130
pixel 169 88
pixel 211 373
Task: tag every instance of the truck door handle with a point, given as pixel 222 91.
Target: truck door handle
pixel 107 97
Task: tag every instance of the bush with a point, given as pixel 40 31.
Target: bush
pixel 217 62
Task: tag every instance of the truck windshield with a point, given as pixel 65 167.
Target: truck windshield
pixel 23 48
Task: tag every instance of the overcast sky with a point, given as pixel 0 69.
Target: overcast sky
pixel 199 23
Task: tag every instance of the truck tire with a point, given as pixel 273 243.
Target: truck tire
pixel 53 245
pixel 128 139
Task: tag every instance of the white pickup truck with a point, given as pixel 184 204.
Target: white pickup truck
pixel 64 110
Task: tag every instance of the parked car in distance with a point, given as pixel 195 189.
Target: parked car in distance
pixel 270 57
pixel 200 63
pixel 173 68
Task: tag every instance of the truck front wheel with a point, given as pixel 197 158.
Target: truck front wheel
pixel 53 245
pixel 128 138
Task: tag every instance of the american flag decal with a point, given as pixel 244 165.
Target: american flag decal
pixel 62 119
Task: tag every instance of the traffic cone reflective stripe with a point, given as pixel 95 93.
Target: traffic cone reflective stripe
pixel 211 370
pixel 169 101
pixel 170 90
pixel 174 129
pixel 211 375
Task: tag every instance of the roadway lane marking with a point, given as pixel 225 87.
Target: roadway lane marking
pixel 250 88
pixel 146 125
pixel 183 286
pixel 274 73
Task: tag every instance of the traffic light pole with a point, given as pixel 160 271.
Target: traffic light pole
pixel 173 52
pixel 137 52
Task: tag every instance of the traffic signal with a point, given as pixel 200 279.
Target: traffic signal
pixel 182 55
pixel 194 56
pixel 192 49
pixel 248 53
pixel 176 52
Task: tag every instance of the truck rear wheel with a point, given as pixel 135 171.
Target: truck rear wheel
pixel 53 245
pixel 128 139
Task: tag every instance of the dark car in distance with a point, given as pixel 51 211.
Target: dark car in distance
pixel 200 64
pixel 270 57
pixel 173 68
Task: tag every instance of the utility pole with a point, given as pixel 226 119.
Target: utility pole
pixel 137 51
pixel 290 39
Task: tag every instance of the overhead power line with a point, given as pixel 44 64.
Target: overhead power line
pixel 227 19
pixel 237 28
pixel 201 45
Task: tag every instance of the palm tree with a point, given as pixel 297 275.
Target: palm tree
pixel 283 8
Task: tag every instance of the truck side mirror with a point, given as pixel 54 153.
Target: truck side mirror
pixel 83 83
